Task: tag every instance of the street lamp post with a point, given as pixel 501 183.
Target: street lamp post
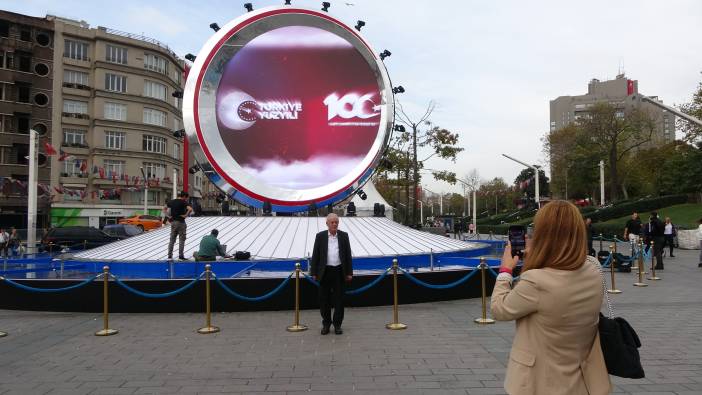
pixel 146 190
pixel 602 191
pixel 32 192
pixel 537 195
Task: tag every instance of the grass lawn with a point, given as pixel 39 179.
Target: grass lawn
pixel 682 215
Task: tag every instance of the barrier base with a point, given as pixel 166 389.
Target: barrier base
pixel 207 330
pixel 395 326
pixel 614 291
pixel 3 334
pixel 296 328
pixel 640 285
pixel 106 332
pixel 484 321
pixel 654 278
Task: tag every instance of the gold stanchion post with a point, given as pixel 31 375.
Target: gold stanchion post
pixel 483 297
pixel 296 327
pixel 208 328
pixel 653 264
pixel 640 283
pixel 612 261
pixel 105 331
pixel 395 324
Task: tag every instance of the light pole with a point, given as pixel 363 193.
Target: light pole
pixel 146 190
pixel 175 183
pixel 537 196
pixel 32 192
pixel 602 191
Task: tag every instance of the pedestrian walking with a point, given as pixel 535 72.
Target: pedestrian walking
pixel 656 229
pixel 669 234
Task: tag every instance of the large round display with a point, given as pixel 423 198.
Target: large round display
pixel 288 106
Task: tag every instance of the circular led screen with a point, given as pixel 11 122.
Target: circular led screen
pixel 288 106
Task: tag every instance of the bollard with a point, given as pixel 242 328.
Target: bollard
pixel 640 268
pixel 296 327
pixel 612 261
pixel 208 328
pixel 395 324
pixel 105 331
pixel 634 266
pixel 653 264
pixel 483 298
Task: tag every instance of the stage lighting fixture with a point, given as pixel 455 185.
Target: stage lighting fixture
pixel 267 209
pixel 190 57
pixel 194 169
pixel 398 89
pixel 385 54
pixel 359 25
pixel 362 194
pixel 214 26
pixel 399 128
pixel 351 209
pixel 179 133
pixel 178 94
pixel 378 210
pixel 325 6
pixel 248 6
pixel 287 2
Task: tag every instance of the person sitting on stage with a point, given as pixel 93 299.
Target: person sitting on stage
pixel 210 248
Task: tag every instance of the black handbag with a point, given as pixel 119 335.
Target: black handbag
pixel 619 343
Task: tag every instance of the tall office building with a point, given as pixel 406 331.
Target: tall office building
pixel 115 115
pixel 567 109
pixel 26 102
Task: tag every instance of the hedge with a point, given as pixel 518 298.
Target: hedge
pixel 639 206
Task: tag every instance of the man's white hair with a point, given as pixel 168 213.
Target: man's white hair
pixel 332 215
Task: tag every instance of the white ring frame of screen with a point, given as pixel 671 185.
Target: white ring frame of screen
pixel 200 123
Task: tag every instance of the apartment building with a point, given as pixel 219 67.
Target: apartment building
pixel 118 111
pixel 26 102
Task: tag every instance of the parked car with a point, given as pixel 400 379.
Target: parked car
pixel 122 230
pixel 75 238
pixel 145 222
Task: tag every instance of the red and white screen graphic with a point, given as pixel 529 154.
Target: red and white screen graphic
pixel 298 107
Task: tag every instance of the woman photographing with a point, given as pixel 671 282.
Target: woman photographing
pixel 556 304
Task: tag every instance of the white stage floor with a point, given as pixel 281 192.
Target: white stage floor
pixel 270 238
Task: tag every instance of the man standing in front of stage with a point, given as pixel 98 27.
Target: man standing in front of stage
pixel 331 265
pixel 179 210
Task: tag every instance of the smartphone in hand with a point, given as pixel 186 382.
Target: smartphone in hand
pixel 517 240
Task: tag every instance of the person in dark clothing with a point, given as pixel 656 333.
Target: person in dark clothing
pixel 656 229
pixel 632 229
pixel 590 234
pixel 179 210
pixel 331 265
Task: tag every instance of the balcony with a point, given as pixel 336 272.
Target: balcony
pixel 75 118
pixel 74 178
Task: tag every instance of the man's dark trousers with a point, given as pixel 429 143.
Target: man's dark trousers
pixel 658 245
pixel 331 294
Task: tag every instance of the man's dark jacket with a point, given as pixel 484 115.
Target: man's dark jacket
pixel 319 254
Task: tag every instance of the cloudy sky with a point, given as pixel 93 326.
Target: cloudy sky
pixel 491 67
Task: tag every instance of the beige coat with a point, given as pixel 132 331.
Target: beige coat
pixel 556 348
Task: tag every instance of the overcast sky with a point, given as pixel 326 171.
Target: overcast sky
pixel 491 67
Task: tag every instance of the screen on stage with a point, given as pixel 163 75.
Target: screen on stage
pixel 289 106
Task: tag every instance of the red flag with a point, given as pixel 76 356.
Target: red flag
pixel 101 171
pixel 62 155
pixel 83 166
pixel 629 87
pixel 49 149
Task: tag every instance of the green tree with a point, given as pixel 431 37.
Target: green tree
pixel 692 133
pixel 527 175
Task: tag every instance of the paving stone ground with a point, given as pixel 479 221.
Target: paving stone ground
pixel 441 352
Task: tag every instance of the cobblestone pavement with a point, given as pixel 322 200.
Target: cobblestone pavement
pixel 441 352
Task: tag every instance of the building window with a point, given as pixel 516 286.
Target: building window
pixel 155 63
pixel 154 144
pixel 5 123
pixel 73 77
pixel 114 140
pixel 75 107
pixel 176 151
pixel 24 62
pixel 22 123
pixel 6 60
pixel 72 137
pixel 178 102
pixel 113 168
pixel 25 33
pixel 178 75
pixel 116 54
pixel 75 50
pixel 155 170
pixel 4 90
pixel 116 83
pixel 155 90
pixel 74 168
pixel 116 111
pixel 23 93
pixel 4 28
pixel 154 117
